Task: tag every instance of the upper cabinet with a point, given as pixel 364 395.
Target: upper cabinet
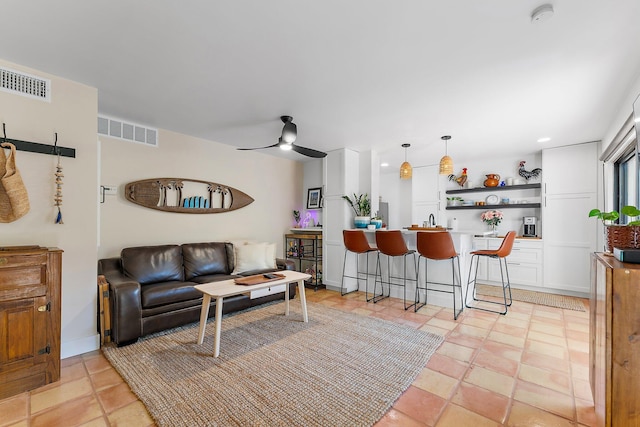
pixel 571 169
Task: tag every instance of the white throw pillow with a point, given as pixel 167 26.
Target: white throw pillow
pixel 254 256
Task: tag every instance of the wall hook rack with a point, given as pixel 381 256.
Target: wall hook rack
pixel 35 147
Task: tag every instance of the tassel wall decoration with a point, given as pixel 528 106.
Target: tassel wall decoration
pixel 58 196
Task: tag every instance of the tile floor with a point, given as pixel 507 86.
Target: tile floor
pixel 528 368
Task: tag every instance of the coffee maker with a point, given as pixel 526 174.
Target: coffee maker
pixel 529 226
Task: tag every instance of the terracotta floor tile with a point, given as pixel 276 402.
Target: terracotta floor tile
pixel 484 323
pixel 481 401
pixel 543 398
pixel 512 320
pixel 97 364
pixel 586 413
pixel 63 392
pixel 576 345
pixel 362 311
pixel 490 380
pixel 579 327
pixel 547 349
pixel 472 331
pixel 23 423
pixel 395 418
pixel 546 362
pixel 455 351
pixel 71 361
pixel 456 416
pixel 579 357
pixel 464 340
pixel 496 363
pixel 578 336
pixel 97 422
pixel 447 365
pixel 436 383
pixel 526 416
pixel 547 312
pixel 134 414
pixel 582 390
pixel 72 372
pixel 14 409
pixel 116 397
pixel 580 371
pixel 511 340
pixel 547 329
pixel 549 379
pixel 442 324
pixel 420 405
pixel 546 338
pixel 503 350
pixel 71 413
pixel 105 379
pixel 509 329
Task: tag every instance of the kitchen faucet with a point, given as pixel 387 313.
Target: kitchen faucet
pixel 432 220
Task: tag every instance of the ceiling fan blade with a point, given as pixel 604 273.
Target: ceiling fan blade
pixel 308 151
pixel 260 148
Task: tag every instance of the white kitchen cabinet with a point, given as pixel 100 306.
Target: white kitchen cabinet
pixel 425 194
pixel 570 192
pixel 524 262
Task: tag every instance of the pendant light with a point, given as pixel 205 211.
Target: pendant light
pixel 406 171
pixel 446 163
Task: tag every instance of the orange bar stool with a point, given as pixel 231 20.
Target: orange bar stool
pixel 391 243
pixel 355 241
pixel 500 254
pixel 438 246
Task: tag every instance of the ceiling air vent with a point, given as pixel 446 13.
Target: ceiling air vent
pixel 25 84
pixel 127 131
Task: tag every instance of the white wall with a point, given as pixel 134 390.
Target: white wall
pixel 275 184
pixel 312 179
pixel 72 114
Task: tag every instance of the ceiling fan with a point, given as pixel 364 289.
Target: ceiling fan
pixel 285 142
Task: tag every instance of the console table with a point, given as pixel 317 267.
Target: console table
pixel 305 250
pixel 615 341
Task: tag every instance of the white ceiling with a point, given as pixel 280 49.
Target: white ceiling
pixel 353 73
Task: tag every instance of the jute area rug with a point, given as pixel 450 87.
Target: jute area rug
pixel 541 298
pixel 340 369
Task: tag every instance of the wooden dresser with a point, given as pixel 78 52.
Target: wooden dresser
pixel 30 281
pixel 615 341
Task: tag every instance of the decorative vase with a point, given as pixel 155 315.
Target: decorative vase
pixel 377 223
pixel 493 179
pixel 494 230
pixel 361 221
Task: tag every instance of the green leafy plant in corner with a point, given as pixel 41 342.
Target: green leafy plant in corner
pixel 360 204
pixel 608 218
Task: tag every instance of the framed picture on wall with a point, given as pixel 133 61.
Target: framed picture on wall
pixel 314 195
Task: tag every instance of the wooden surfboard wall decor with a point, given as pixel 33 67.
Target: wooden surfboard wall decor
pixel 185 195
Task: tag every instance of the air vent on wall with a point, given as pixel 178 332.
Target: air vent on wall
pixel 120 129
pixel 25 84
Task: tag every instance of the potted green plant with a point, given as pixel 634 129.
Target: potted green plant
pixel 361 207
pixel 619 235
pixel 377 220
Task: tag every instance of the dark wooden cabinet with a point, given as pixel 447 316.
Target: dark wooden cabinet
pixel 30 281
pixel 615 341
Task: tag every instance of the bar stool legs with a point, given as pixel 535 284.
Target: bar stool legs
pixel 358 277
pixel 356 242
pixel 390 279
pixel 456 282
pixel 500 254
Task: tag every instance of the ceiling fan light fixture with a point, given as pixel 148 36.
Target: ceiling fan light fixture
pixel 446 162
pixel 406 171
pixel 289 130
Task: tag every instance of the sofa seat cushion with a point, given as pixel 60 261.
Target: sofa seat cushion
pixel 167 293
pixel 202 259
pixel 213 278
pixel 153 264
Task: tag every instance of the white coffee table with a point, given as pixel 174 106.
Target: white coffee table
pixel 227 288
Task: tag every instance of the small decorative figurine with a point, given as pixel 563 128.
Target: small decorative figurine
pixel 528 174
pixel 58 195
pixel 461 180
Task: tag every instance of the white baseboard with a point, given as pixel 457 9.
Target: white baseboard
pixel 79 346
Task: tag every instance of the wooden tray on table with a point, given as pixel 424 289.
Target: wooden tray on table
pixel 258 278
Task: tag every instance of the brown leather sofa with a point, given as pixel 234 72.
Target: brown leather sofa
pixel 151 287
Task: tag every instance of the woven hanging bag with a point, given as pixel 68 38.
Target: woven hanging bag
pixel 14 200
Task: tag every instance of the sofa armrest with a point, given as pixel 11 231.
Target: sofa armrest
pixel 125 300
pixel 285 264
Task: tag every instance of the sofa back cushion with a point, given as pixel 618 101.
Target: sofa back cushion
pixel 153 264
pixel 202 259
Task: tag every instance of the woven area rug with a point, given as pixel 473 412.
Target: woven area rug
pixel 340 369
pixel 541 298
